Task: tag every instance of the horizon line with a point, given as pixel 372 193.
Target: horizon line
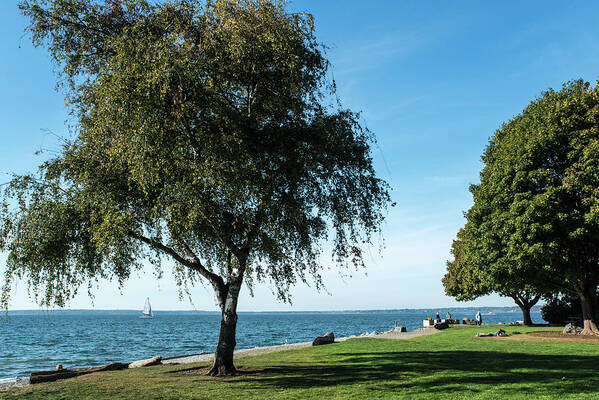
pixel 261 311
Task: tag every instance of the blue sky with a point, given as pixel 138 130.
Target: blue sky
pixel 433 80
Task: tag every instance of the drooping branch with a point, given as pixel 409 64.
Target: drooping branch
pixel 255 226
pixel 224 238
pixel 62 22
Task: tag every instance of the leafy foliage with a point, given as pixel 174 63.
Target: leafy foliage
pixel 462 280
pixel 534 225
pixel 203 133
pixel 466 280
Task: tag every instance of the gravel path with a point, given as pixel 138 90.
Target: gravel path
pixel 407 335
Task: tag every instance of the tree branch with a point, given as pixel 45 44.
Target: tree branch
pixel 194 264
pixel 534 300
pixel 198 266
pixel 258 219
pixel 158 245
pixel 516 299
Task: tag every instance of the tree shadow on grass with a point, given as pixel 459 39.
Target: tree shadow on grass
pixel 204 371
pixel 420 372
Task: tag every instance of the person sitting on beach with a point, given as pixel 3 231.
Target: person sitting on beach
pixel 479 318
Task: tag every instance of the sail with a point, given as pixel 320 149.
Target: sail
pixel 147 307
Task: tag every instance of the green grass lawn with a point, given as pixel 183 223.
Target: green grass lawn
pixel 450 365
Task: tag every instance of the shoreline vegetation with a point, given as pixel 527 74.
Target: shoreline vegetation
pixel 452 363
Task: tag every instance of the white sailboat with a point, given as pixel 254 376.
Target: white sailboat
pixel 147 312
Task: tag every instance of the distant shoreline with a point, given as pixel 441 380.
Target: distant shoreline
pixel 410 310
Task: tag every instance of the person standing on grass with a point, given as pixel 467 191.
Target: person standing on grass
pixel 448 315
pixel 479 318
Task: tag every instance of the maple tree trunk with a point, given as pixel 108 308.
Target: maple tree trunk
pixel 587 295
pixel 525 302
pixel 588 316
pixel 526 315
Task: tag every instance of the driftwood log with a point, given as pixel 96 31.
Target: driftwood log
pixel 54 375
pixel 146 363
pixel 326 339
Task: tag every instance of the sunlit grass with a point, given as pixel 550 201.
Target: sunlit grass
pixel 452 364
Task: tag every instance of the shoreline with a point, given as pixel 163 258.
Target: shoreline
pixel 20 381
pixel 254 351
pixel 453 363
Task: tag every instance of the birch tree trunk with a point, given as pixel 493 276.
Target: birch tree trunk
pixel 227 296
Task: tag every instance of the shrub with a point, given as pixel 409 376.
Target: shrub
pixel 558 309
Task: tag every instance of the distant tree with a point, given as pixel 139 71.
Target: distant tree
pixel 466 279
pixel 202 133
pixel 536 210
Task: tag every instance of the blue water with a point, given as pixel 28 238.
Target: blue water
pixel 38 340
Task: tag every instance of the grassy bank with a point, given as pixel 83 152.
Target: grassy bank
pixel 452 364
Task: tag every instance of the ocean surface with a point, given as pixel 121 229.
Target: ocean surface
pixel 38 340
